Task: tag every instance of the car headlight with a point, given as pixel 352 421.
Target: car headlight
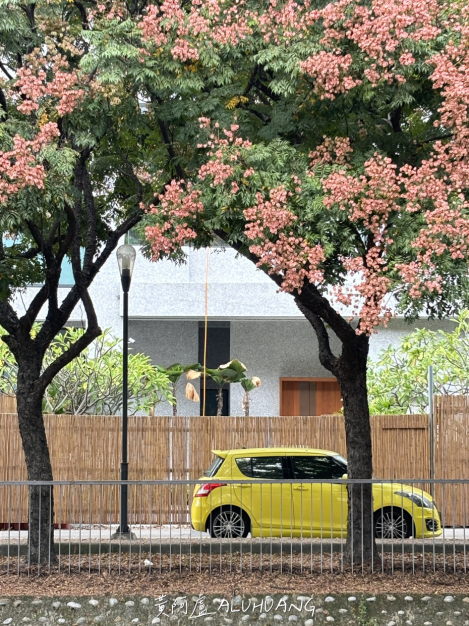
pixel 417 499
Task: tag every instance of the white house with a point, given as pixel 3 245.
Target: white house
pixel 247 319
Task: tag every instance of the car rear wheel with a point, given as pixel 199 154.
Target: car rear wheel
pixel 229 523
pixel 393 523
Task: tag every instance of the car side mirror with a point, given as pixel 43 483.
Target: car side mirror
pixel 344 477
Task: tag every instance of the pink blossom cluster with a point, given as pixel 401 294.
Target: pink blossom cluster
pixel 331 150
pixel 181 202
pixel 384 32
pixel 206 21
pixel 366 290
pixel 272 214
pixel 287 255
pixel 183 51
pixel 219 170
pixel 382 28
pixel 329 72
pixel 438 188
pixel 177 206
pixel 287 20
pixel 168 238
pixel 370 198
pixel 216 167
pixel 19 167
pixel 63 86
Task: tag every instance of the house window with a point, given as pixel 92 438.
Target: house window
pixel 218 353
pixel 66 273
pixel 310 396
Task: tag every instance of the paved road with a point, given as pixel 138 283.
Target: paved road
pixel 176 533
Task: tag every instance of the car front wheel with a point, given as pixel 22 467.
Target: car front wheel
pixel 393 523
pixel 229 523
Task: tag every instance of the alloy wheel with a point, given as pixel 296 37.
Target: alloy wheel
pixel 391 525
pixel 228 524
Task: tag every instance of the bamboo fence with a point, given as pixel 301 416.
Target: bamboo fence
pixel 170 448
pixel 7 403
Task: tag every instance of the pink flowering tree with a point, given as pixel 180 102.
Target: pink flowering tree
pixel 77 134
pixel 99 107
pixel 342 174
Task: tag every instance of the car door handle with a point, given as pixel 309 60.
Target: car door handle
pixel 242 486
pixel 301 488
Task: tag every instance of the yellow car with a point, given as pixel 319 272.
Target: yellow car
pixel 227 509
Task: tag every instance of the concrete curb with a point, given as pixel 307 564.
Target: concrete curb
pixel 246 547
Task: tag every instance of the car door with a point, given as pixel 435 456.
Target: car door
pixel 268 504
pixel 319 509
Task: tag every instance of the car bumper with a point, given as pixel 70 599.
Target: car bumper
pixel 427 523
pixel 199 514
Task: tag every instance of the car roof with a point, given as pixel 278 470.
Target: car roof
pixel 279 450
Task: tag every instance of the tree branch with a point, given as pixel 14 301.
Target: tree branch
pixel 437 138
pixel 251 80
pixel 36 304
pixel 169 147
pixel 53 230
pixel 8 319
pixel 326 356
pixel 66 357
pixel 29 10
pixel 29 254
pixel 130 171
pixel 395 119
pixel 264 118
pixel 91 238
pixel 39 239
pixel 78 292
pixel 3 104
pixel 267 91
pixel 5 71
pixel 310 297
pixel 167 141
pixel 84 18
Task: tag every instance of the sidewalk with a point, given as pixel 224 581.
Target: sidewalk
pixel 183 539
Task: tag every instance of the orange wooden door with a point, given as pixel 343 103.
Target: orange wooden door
pixel 328 398
pixel 310 397
pixel 290 398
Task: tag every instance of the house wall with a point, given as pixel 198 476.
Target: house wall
pixel 268 332
pixel 167 342
pixel 270 349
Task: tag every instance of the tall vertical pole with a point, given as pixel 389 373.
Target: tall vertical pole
pixel 124 526
pixel 431 424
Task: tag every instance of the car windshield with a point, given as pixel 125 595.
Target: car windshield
pixel 214 467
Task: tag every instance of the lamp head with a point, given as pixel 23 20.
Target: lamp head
pixel 126 260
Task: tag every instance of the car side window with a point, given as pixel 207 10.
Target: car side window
pixel 245 466
pixel 266 467
pixel 316 467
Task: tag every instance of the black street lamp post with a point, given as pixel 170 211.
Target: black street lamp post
pixel 126 259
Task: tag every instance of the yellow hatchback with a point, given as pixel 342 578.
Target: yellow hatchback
pixel 227 509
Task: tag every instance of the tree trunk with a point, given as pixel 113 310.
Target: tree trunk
pixel 41 549
pixel 220 402
pixel 246 404
pixel 351 375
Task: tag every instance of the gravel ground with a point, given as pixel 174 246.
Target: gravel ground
pixel 124 574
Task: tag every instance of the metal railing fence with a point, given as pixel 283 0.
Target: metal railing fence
pixel 236 525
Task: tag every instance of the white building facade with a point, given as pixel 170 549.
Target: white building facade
pixel 247 318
